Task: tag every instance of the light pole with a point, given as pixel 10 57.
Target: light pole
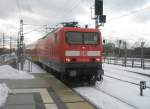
pixel 125 55
pixel 10 44
pixel 3 41
pixel 142 54
pixel 21 45
pixel 119 48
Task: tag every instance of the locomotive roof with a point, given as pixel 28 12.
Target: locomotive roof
pixel 49 33
pixel 79 29
pixel 71 29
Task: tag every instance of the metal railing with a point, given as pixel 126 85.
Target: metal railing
pixel 6 58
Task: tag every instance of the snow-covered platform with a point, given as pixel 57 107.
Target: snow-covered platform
pixel 43 91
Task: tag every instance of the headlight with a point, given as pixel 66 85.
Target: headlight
pixel 98 59
pixel 68 60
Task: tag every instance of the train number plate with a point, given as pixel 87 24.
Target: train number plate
pixel 83 53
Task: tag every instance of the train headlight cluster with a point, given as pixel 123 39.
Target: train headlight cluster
pixel 98 59
pixel 68 60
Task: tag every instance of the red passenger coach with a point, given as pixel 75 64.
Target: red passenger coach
pixel 72 52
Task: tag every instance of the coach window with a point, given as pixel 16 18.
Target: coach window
pixel 55 38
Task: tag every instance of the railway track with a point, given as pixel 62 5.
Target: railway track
pixel 138 73
pixel 117 98
pixel 121 100
pixel 108 94
pixel 124 80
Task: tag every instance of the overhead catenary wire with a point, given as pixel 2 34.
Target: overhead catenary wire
pixel 129 13
pixel 74 7
pixel 33 30
pixel 66 13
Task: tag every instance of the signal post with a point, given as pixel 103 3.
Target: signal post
pixel 99 18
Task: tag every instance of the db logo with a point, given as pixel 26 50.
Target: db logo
pixel 83 53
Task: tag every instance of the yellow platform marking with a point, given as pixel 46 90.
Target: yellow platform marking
pixel 51 106
pixel 69 96
pixel 81 105
pixel 47 99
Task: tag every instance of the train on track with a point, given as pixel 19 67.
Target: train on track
pixel 70 52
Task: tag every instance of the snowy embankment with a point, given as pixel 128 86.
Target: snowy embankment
pixel 8 72
pixel 4 90
pixel 115 94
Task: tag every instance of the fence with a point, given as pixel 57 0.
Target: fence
pixel 129 62
pixel 6 57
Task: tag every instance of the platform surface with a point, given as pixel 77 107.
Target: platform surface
pixel 43 92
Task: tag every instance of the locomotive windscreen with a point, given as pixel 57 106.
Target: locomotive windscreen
pixel 82 38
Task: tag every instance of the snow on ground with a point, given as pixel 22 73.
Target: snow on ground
pixel 122 73
pixel 126 92
pixel 115 94
pixel 4 90
pixel 35 68
pixel 8 72
pixel 101 100
pixel 138 70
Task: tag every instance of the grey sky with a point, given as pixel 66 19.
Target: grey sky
pixel 123 5
pixel 52 12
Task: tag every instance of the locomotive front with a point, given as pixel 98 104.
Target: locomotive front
pixel 83 54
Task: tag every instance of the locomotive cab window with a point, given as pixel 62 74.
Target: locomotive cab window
pixel 74 38
pixel 82 38
pixel 91 38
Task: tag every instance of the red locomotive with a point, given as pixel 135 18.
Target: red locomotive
pixel 72 52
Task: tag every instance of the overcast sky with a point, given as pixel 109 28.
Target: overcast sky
pixel 126 19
